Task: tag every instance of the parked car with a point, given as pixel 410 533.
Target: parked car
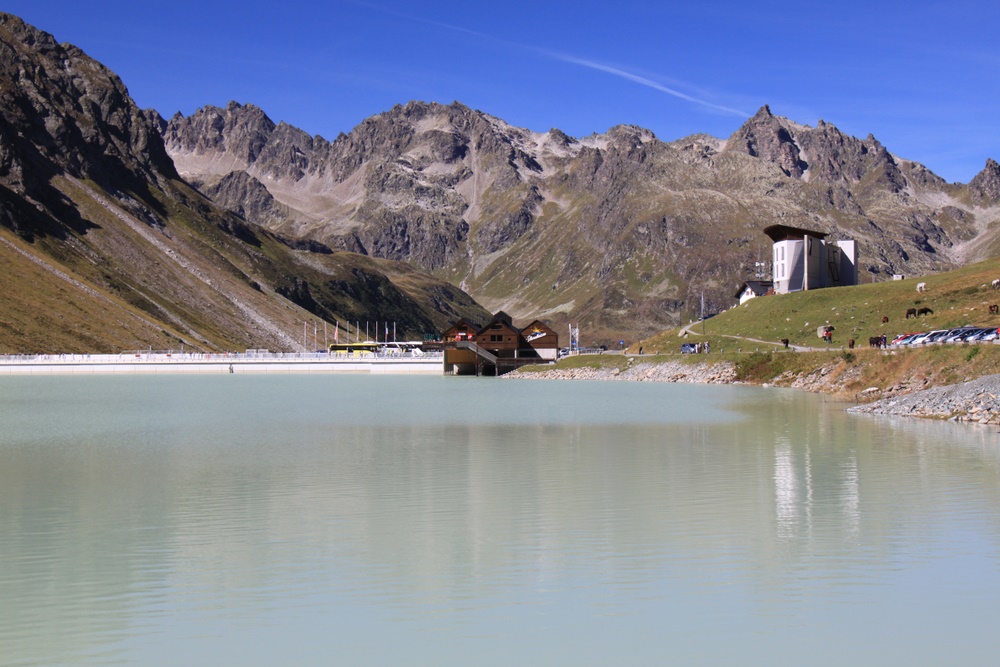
pixel 909 338
pixel 938 336
pixel 925 338
pixel 991 334
pixel 975 334
pixel 688 348
pixel 903 339
pixel 959 333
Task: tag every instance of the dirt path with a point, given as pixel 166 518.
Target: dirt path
pixel 797 348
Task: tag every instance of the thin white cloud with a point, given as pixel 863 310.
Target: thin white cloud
pixel 562 57
pixel 642 81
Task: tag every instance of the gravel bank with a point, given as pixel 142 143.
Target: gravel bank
pixel 974 401
pixel 668 371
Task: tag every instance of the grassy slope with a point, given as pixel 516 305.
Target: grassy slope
pixel 200 281
pixel 957 297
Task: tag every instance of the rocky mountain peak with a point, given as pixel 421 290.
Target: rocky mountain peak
pixel 73 115
pixel 985 187
pixel 31 37
pixel 765 136
pixel 238 132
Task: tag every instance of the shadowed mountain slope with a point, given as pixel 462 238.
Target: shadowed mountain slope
pixel 106 248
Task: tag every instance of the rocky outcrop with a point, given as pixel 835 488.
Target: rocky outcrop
pixel 823 153
pixel 62 112
pixel 765 137
pixel 985 187
pixel 236 134
pixel 244 195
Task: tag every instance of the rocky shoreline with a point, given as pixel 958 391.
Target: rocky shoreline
pixel 976 401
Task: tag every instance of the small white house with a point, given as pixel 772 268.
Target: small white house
pixel 753 288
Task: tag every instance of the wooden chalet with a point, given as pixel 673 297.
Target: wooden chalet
pixel 542 339
pixel 460 330
pixel 498 347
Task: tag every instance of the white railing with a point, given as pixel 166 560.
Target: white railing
pixel 166 357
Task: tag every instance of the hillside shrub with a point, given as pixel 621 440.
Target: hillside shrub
pixel 754 367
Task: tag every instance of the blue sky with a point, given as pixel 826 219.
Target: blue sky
pixel 921 76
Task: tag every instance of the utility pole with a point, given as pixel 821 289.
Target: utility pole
pixel 702 313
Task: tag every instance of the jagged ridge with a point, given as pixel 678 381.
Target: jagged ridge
pixel 621 230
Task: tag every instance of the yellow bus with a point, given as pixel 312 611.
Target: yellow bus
pixel 355 350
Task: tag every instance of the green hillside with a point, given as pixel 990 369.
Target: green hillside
pixel 958 297
pixel 747 338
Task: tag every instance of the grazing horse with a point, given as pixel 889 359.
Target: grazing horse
pixel 994 309
pixel 885 319
pixel 925 311
pixel 996 284
pixel 875 341
pixel 921 287
pixel 784 341
pixel 911 311
pixel 850 344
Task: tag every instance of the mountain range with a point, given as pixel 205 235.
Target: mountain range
pixel 620 231
pixel 120 229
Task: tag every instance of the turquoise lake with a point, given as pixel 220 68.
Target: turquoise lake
pixel 359 520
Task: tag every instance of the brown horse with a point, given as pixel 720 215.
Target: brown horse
pixel 925 311
pixel 911 312
pixel 885 319
pixel 875 341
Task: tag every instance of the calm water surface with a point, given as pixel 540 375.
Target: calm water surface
pixel 356 520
